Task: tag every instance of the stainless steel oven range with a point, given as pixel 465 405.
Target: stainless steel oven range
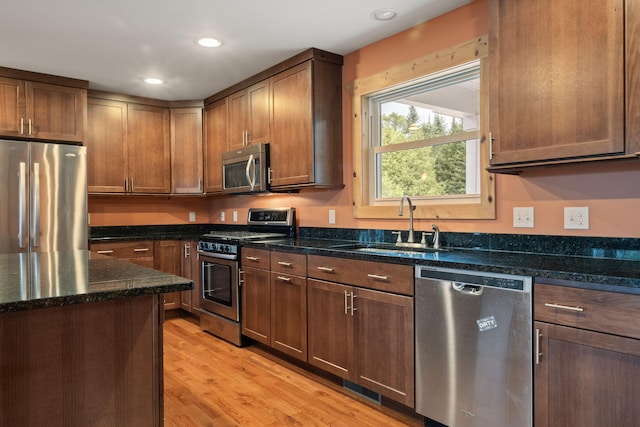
pixel 219 254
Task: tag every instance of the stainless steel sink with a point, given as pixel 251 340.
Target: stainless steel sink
pixel 406 249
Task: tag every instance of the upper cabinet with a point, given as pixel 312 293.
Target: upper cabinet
pixel 186 150
pixel 307 125
pixel 296 107
pixel 216 142
pixel 128 147
pixel 557 86
pixel 249 116
pixel 42 110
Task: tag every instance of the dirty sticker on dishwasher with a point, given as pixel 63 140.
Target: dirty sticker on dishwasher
pixel 487 323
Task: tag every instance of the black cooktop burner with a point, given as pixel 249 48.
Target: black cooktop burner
pixel 241 235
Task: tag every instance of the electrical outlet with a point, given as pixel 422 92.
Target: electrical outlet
pixel 192 217
pixel 332 216
pixel 576 218
pixel 523 217
pixel 222 216
pixel 234 216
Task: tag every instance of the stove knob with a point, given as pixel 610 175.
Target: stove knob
pixel 225 248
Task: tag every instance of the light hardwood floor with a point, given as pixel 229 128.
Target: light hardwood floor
pixel 208 382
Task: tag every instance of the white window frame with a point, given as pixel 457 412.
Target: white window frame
pixel 480 206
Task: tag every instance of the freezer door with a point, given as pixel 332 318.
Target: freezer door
pixel 58 197
pixel 14 179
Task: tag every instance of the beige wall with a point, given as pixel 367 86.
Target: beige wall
pixel 611 191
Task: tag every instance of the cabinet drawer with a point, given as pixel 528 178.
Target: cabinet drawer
pixel 256 258
pixel 289 263
pixel 608 312
pixel 384 277
pixel 131 249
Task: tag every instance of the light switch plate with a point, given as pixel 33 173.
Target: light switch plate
pixel 523 217
pixel 576 218
pixel 234 216
pixel 222 216
pixel 192 217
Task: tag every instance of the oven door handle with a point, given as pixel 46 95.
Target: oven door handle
pixel 219 256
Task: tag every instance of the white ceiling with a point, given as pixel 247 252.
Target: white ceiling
pixel 115 44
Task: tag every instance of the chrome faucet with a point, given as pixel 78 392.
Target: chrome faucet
pixel 401 213
pixel 436 236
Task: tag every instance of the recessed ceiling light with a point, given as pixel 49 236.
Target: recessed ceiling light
pixel 384 14
pixel 153 81
pixel 209 42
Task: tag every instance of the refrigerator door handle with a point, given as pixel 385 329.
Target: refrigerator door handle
pixel 22 205
pixel 35 207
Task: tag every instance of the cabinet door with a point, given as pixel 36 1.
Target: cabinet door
pixel 168 258
pixel 291 127
pixel 258 119
pixel 149 149
pixel 256 304
pixel 384 344
pixel 56 112
pixel 216 142
pixel 289 314
pixel 237 124
pixel 330 328
pixel 106 146
pixel 556 79
pixel 585 378
pixel 12 107
pixel 186 150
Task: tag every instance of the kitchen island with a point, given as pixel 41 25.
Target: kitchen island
pixel 81 340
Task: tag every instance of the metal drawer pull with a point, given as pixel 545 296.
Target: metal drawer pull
pixel 252 258
pixel 375 276
pixel 105 252
pixel 284 279
pixel 329 269
pixel 141 250
pixel 564 307
pixel 286 264
pixel 346 304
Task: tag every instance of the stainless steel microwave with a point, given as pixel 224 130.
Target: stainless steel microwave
pixel 246 170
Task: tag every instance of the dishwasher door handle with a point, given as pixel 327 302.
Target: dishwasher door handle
pixel 466 288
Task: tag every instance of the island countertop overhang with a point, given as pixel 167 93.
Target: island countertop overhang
pixel 51 279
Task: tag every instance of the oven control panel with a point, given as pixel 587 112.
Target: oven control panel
pixel 216 247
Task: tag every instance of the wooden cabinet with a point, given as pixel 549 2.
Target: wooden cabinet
pixel 363 335
pixel 186 150
pixel 149 149
pixel 190 300
pixel 306 123
pixel 256 294
pixel 41 110
pixel 289 304
pixel 587 369
pixel 139 252
pixel 168 258
pixel 296 107
pixel 128 147
pixel 249 116
pixel 216 142
pixel 557 81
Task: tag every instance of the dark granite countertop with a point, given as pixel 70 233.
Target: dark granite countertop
pixel 616 275
pixel 37 280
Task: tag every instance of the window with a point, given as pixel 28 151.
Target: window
pixel 421 135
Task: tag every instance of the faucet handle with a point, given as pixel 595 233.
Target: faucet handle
pixel 423 241
pixel 399 233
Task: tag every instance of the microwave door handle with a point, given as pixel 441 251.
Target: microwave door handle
pixel 252 182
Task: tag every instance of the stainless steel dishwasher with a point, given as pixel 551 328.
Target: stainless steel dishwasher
pixel 473 348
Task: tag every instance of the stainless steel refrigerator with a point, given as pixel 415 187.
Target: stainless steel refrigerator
pixel 43 197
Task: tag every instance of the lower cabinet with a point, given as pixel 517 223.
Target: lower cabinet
pixel 138 252
pixel 190 300
pixel 256 294
pixel 587 361
pixel 274 300
pixel 168 258
pixel 363 335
